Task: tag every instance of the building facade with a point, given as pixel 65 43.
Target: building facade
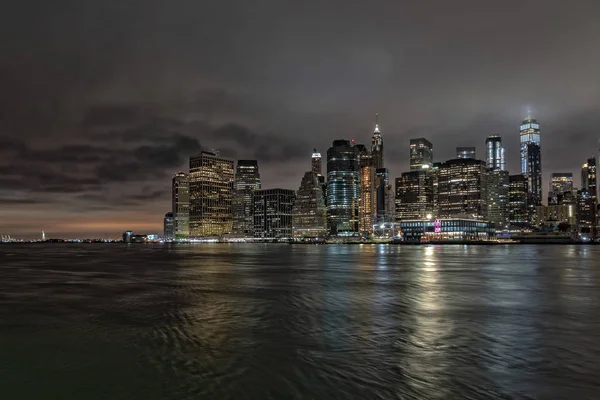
pixel 462 185
pixel 309 215
pixel 447 230
pixel 211 195
pixel 421 153
pixel 555 214
pixel 342 188
pixel 169 227
pixel 367 206
pixel 497 197
pixel 517 200
pixel 377 145
pixel 588 177
pixel 531 162
pixel 466 152
pixel 180 199
pixel 414 195
pixel 560 184
pixel 273 213
pixel 315 164
pixel 494 153
pixel 247 180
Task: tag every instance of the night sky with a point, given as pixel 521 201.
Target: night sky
pixel 102 101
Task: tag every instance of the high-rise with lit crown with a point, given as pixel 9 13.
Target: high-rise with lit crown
pixel 181 205
pixel 247 180
pixel 588 177
pixel 466 152
pixel 211 195
pixel 531 164
pixel 494 153
pixel 421 153
pixel 377 145
pixel 316 162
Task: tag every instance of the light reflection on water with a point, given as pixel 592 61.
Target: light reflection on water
pixel 281 321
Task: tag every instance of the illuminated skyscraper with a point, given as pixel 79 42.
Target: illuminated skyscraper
pixel 414 195
pixel 462 185
pixel 531 164
pixel 561 183
pixel 342 187
pixel 421 153
pixel 247 180
pixel 588 177
pixel 494 153
pixel 385 196
pixel 181 205
pixel 211 194
pixel 273 213
pixel 377 145
pixel 309 215
pixel 465 152
pixel 367 209
pixel 316 162
pixel 498 197
pixel 517 199
pixel 169 227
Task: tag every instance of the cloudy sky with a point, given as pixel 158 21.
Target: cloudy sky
pixel 102 101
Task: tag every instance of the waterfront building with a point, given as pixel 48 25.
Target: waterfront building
pixel 421 153
pixel 465 152
pixel 367 206
pixel 414 195
pixel 556 214
pixel 497 197
pixel 588 177
pixel 309 215
pixel 586 209
pixel 531 162
pixel 273 213
pixel 494 153
pixel 247 180
pixel 462 185
pixel 377 145
pixel 180 199
pixel 560 184
pixel 211 193
pixel 169 226
pixel 342 188
pixel 446 230
pixel 517 200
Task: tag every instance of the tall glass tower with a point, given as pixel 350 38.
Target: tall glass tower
pixel 494 153
pixel 247 180
pixel 531 164
pixel 342 187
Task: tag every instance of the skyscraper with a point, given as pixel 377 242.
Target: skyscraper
pixel 531 164
pixel 309 215
pixel 384 196
pixel 497 197
pixel 561 183
pixel 517 199
pixel 421 153
pixel 169 227
pixel 414 195
pixel 316 162
pixel 273 213
pixel 247 180
pixel 342 187
pixel 588 177
pixel 377 145
pixel 211 194
pixel 180 198
pixel 494 153
pixel 367 209
pixel 465 152
pixel 462 185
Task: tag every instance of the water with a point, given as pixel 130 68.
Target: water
pixel 299 322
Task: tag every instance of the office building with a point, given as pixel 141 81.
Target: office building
pixel 367 208
pixel 414 195
pixel 447 230
pixel 309 215
pixel 560 183
pixel 421 153
pixel 497 197
pixel 247 180
pixel 342 188
pixel 556 214
pixel 211 195
pixel 377 145
pixel 465 152
pixel 462 185
pixel 531 162
pixel 273 213
pixel 180 198
pixel 586 209
pixel 169 227
pixel 588 177
pixel 494 153
pixel 517 200
pixel 316 163
pixel 385 209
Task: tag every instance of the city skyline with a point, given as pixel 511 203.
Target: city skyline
pixel 94 128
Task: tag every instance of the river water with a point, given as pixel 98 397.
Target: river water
pixel 277 321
